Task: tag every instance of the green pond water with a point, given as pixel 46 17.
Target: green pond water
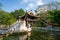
pixel 35 35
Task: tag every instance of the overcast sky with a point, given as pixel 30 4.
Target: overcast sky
pixel 11 5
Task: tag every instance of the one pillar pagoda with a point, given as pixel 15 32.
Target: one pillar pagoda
pixel 28 17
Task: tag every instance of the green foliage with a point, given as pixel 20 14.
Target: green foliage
pixel 52 15
pixel 55 16
pixel 9 18
pixel 8 38
pixel 6 18
pixel 18 13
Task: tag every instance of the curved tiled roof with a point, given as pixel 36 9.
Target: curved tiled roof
pixel 29 16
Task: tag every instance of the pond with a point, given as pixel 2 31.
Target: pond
pixel 35 35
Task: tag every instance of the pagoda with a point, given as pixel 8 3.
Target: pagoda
pixel 25 19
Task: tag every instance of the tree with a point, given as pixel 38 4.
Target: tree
pixel 51 6
pixel 6 18
pixel 55 16
pixel 18 13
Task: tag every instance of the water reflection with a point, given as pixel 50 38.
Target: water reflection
pixel 19 37
pixel 25 37
pixel 36 35
pixel 1 38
